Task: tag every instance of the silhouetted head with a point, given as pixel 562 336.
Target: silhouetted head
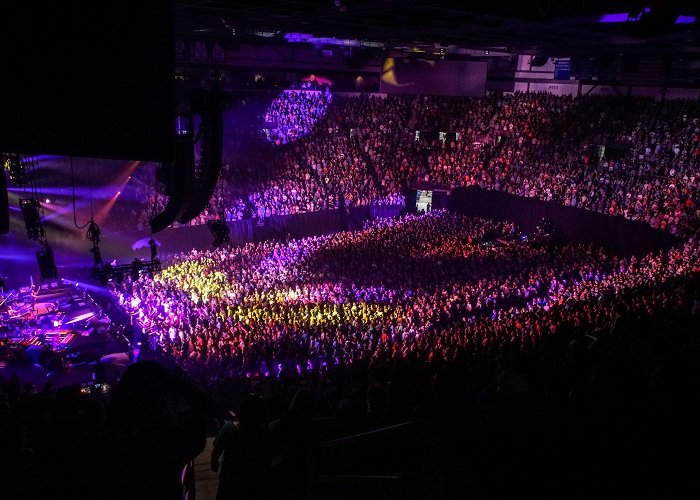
pixel 303 403
pixel 253 412
pixel 376 399
pixel 146 390
pixel 67 402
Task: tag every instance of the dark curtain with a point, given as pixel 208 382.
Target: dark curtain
pixel 617 234
pixel 183 239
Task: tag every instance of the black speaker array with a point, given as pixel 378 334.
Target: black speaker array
pixel 210 162
pixel 47 265
pixel 32 219
pixel 220 231
pixel 179 184
pixel 189 193
pixel 4 205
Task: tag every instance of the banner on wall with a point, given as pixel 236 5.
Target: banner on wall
pixel 562 68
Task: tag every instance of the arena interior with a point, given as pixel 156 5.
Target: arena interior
pixel 350 249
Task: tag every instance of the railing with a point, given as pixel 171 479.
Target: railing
pixel 189 491
pixel 382 464
pixel 368 487
pixel 365 436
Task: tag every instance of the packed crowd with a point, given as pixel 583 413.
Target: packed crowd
pixel 366 150
pixel 546 149
pixel 294 114
pixel 413 318
pixel 409 319
pixel 420 288
pixel 425 314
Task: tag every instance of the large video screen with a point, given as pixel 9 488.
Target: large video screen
pixel 424 201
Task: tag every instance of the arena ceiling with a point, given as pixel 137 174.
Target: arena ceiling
pixel 544 27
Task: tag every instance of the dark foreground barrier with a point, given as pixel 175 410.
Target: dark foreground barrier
pixel 383 463
pixel 181 239
pixel 617 234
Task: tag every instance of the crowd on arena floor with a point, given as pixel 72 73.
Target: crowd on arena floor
pixel 421 287
pixel 409 319
pixel 435 296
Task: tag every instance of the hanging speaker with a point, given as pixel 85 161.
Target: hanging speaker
pixel 219 231
pixel 47 265
pixel 4 205
pixel 32 218
pixel 210 160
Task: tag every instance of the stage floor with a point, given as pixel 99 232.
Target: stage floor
pixel 63 331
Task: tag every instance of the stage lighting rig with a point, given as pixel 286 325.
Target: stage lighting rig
pixel 32 219
pixel 93 234
pixel 14 164
pixel 135 269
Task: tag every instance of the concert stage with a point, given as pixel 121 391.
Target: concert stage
pixel 59 330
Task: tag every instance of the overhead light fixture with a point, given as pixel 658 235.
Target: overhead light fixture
pixel 685 20
pixel 14 164
pixel 30 208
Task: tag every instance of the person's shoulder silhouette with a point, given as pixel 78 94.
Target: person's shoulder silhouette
pixel 151 432
pixel 245 447
pixel 293 439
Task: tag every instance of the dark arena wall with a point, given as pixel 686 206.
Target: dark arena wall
pixel 423 77
pixel 617 234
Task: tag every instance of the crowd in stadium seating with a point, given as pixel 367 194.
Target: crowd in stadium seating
pixel 365 150
pixel 294 114
pixel 655 180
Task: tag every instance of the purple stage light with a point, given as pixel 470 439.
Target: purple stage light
pixel 624 17
pixel 38 158
pixel 323 40
pixel 298 37
pixel 686 20
pixel 614 18
pixel 16 256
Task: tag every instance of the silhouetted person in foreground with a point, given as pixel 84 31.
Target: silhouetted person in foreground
pixel 69 437
pixel 377 415
pixel 294 441
pixel 245 445
pixel 151 431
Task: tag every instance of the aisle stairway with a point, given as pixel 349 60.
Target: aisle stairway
pixel 206 481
